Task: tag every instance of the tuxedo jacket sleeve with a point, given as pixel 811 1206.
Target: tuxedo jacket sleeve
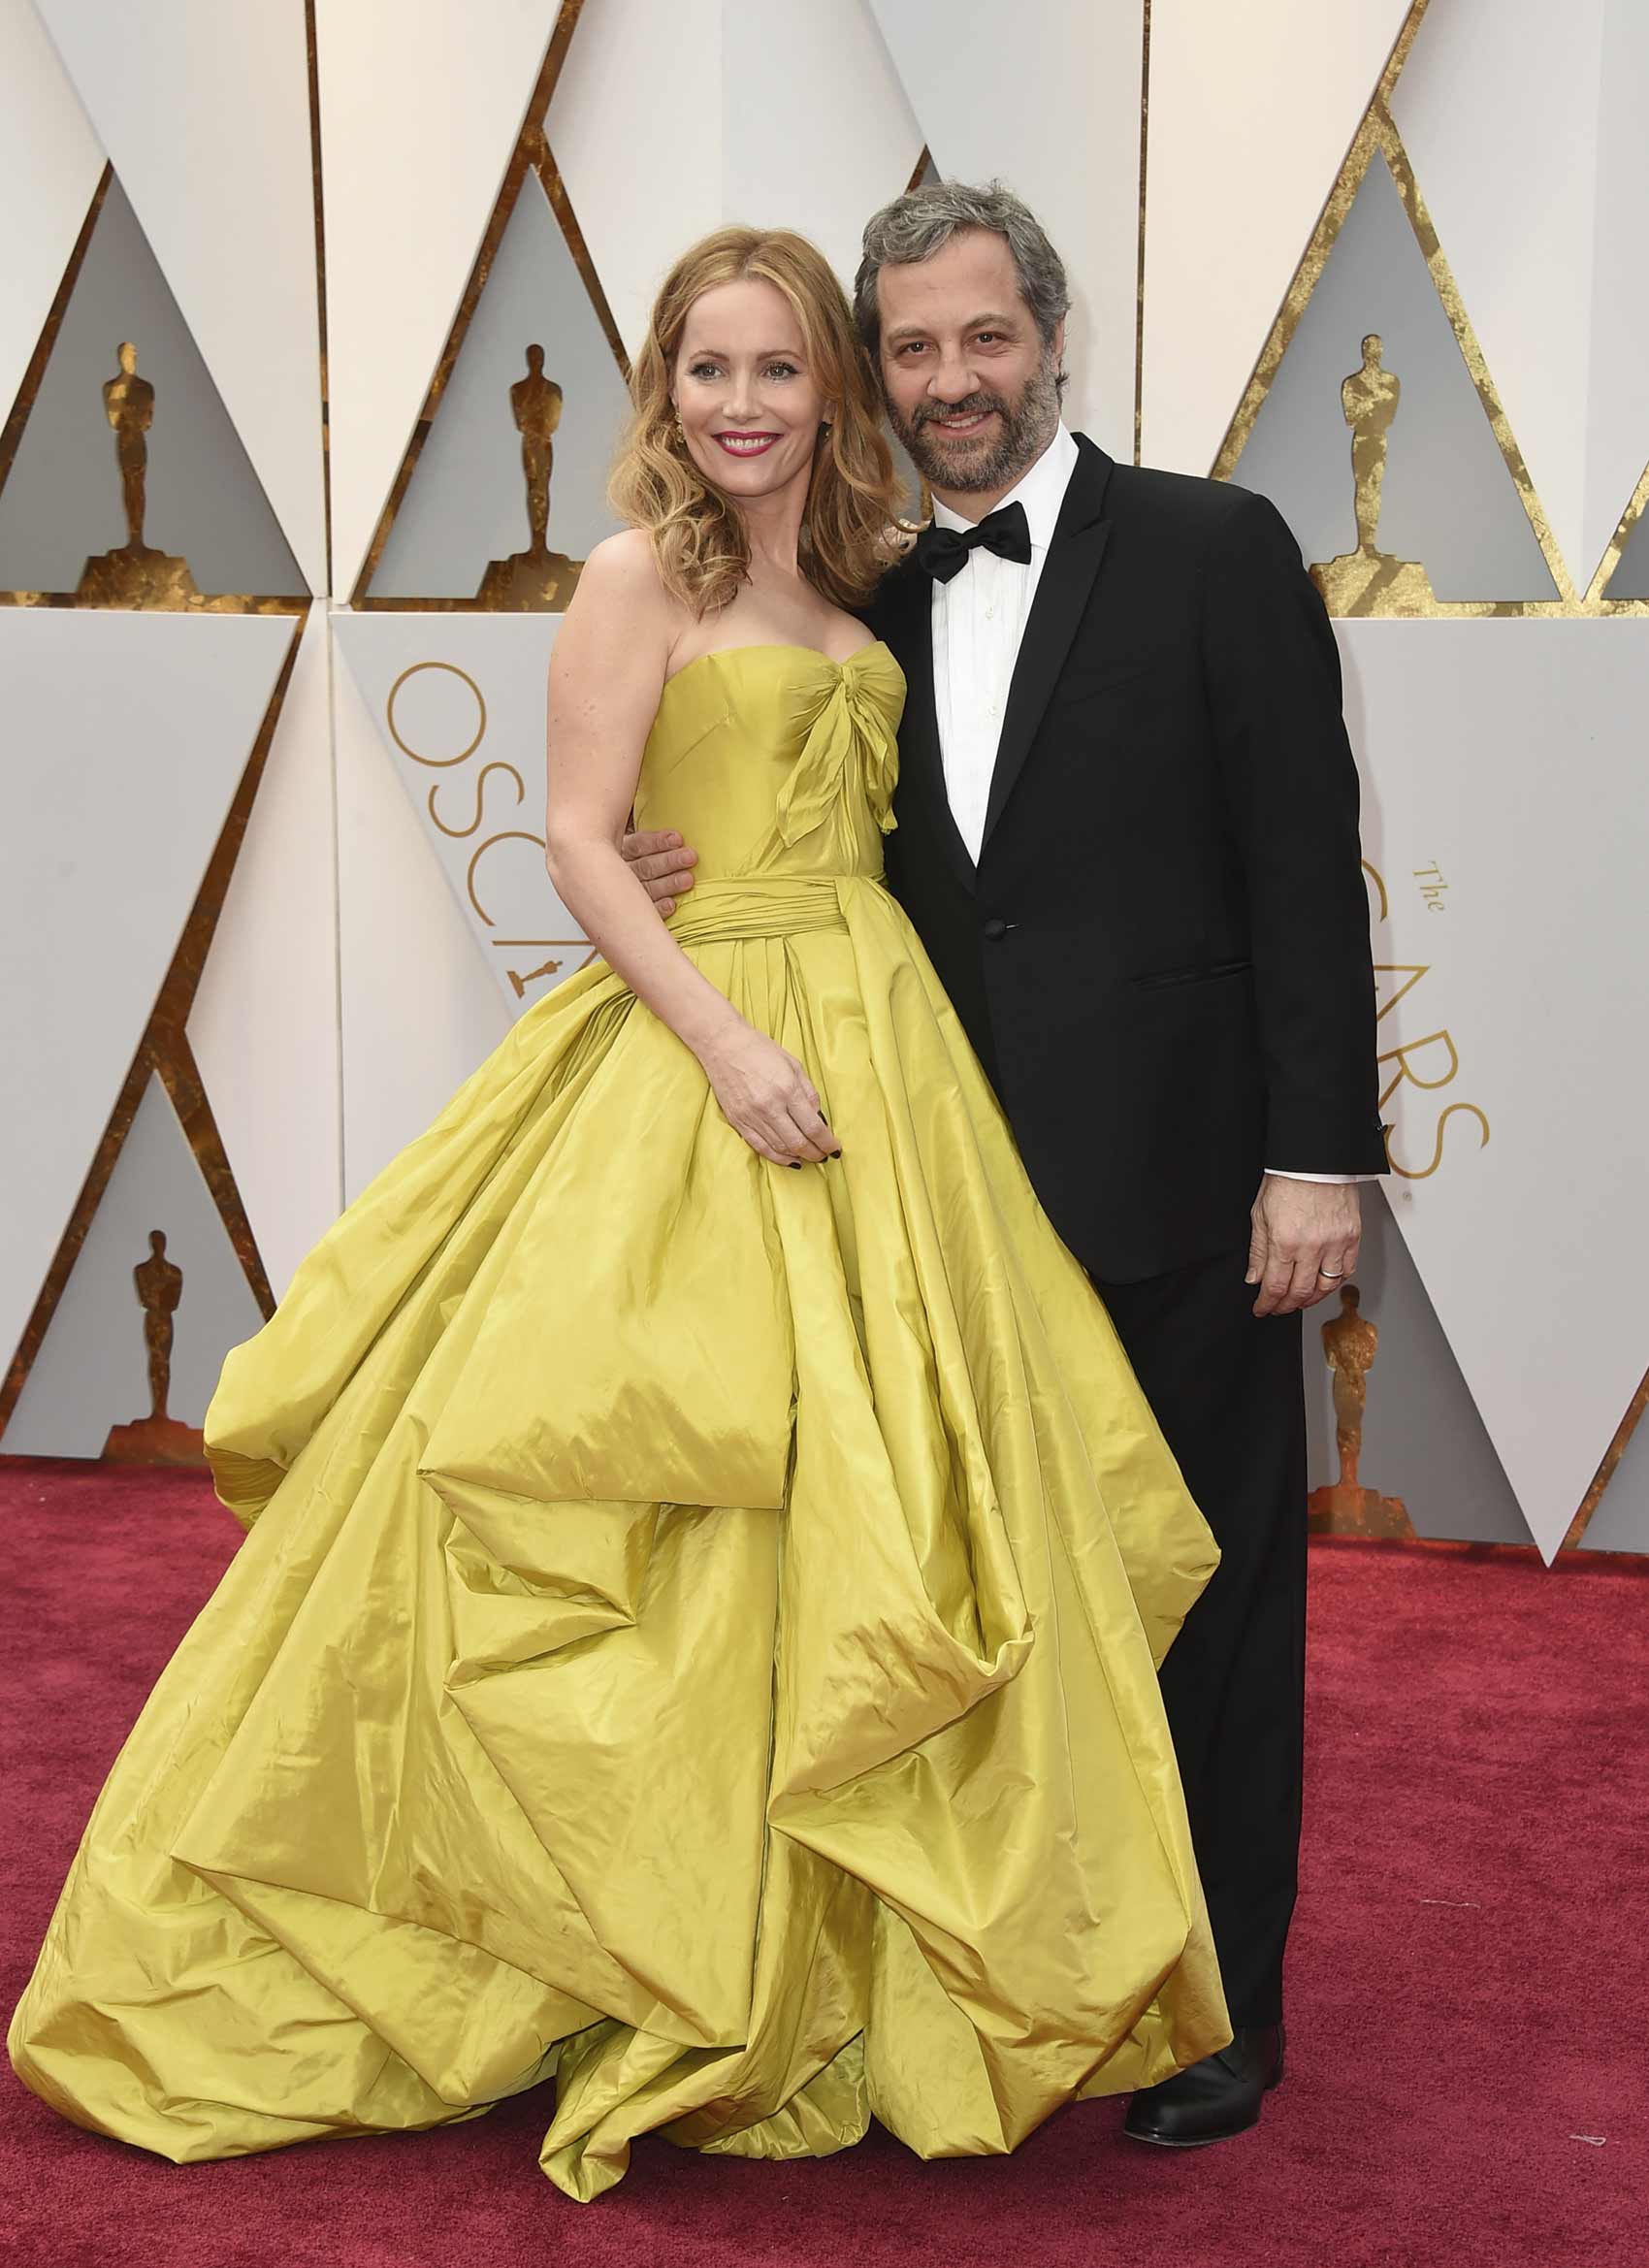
pixel 1271 671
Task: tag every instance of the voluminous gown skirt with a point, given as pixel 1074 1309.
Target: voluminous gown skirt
pixel 695 1634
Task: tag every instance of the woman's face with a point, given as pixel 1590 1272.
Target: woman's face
pixel 749 404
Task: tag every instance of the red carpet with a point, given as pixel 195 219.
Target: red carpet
pixel 1469 2073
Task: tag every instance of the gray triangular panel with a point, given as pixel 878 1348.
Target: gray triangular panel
pixel 465 504
pixel 1449 500
pixel 62 502
pixel 1631 578
pixel 1621 1522
pixel 1423 1441
pixel 91 1373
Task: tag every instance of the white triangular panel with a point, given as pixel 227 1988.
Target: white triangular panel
pixel 756 155
pixel 50 162
pixel 1524 127
pixel 91 1371
pixel 419 113
pixel 459 700
pixel 823 164
pixel 1047 100
pixel 204 112
pixel 644 189
pixel 1233 193
pixel 264 1027
pixel 1516 884
pixel 420 1006
pixel 127 736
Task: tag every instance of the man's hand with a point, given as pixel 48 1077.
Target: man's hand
pixel 1305 1240
pixel 664 864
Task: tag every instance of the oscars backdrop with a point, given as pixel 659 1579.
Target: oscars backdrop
pixel 315 325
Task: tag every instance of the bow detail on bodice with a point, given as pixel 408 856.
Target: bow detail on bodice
pixel 845 715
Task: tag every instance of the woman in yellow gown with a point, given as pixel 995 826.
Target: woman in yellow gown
pixel 707 1553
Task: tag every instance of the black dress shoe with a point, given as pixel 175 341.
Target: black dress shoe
pixel 1213 2099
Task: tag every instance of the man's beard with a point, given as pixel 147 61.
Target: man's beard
pixel 1026 428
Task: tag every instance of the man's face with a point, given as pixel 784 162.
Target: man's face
pixel 970 388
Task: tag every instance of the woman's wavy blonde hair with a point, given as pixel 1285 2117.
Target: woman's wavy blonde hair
pixel 848 528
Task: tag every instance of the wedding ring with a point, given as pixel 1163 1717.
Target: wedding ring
pixel 1331 1275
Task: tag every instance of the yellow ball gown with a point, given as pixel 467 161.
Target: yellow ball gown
pixel 695 1632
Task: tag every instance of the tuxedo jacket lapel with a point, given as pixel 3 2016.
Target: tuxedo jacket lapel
pixel 1079 537
pixel 905 606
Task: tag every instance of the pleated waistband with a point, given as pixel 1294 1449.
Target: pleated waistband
pixel 761 906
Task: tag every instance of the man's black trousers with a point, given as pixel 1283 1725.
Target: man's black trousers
pixel 1228 1393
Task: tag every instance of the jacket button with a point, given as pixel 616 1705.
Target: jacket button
pixel 995 927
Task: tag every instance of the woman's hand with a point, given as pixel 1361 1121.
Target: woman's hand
pixel 766 1096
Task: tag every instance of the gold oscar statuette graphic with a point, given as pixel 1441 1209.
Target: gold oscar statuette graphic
pixel 156 1439
pixel 521 983
pixel 536 579
pixel 1370 580
pixel 1350 1343
pixel 134 575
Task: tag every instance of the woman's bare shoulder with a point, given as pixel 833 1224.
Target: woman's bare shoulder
pixel 625 566
pixel 628 553
pixel 620 590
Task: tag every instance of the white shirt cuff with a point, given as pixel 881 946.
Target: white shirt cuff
pixel 1337 1181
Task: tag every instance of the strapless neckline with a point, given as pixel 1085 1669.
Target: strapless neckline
pixel 779 646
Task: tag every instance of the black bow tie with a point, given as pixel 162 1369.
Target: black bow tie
pixel 944 551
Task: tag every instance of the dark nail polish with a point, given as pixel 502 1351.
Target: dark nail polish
pixel 796 1165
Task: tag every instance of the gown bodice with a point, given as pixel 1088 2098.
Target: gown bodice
pixel 775 759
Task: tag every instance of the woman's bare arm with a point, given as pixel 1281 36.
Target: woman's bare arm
pixel 607 675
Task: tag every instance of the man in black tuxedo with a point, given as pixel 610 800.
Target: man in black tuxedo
pixel 1127 835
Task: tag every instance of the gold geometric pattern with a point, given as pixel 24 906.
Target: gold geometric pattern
pixel 134 577
pixel 137 577
pixel 1378 133
pixel 1608 1467
pixel 1598 599
pixel 532 155
pixel 312 68
pixel 164 1053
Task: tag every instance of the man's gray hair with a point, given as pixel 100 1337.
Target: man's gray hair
pixel 922 221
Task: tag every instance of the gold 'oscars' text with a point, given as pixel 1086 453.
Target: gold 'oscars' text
pixel 1427 1065
pixel 457 803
